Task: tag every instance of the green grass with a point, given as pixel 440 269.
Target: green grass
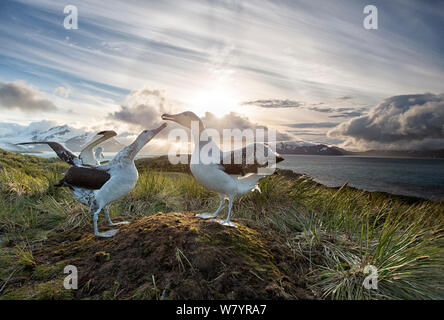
pixel 337 231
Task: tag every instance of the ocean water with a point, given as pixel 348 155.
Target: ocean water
pixel 404 176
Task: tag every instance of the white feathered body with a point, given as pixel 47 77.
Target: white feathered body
pixel 123 179
pixel 212 177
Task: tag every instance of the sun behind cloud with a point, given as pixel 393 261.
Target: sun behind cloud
pixel 219 101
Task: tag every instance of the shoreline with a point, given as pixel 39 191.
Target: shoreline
pixel 408 199
pixel 162 163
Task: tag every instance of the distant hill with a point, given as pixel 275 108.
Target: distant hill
pixel 306 148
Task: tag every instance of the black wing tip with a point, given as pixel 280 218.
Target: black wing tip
pixel 35 142
pixel 107 132
pixel 279 159
pixel 63 153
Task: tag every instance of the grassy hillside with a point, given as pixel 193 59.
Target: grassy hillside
pixel 296 239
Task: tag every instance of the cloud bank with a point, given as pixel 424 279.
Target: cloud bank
pixel 400 122
pixel 143 108
pixel 236 121
pixel 274 103
pixel 19 95
pixel 312 125
pixel 342 112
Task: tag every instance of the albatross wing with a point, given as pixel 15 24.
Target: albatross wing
pixel 82 177
pixel 62 152
pixel 87 154
pixel 244 160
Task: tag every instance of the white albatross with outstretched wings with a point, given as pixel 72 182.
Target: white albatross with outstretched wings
pixel 86 156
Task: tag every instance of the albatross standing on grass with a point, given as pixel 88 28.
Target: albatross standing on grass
pixel 218 175
pixel 97 187
pixel 86 156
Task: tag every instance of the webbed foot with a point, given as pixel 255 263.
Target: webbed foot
pixel 107 234
pixel 225 223
pixel 119 223
pixel 206 215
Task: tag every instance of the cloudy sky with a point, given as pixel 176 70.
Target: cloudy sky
pixel 306 68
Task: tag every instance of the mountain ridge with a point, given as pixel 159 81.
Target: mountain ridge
pixel 73 139
pixel 303 148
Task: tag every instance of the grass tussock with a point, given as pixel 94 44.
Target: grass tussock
pixel 337 231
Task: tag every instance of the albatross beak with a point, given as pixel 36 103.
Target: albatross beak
pixel 166 116
pixel 101 136
pixel 108 133
pixel 157 130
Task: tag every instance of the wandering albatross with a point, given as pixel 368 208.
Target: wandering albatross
pixel 86 157
pixel 98 154
pixel 219 176
pixel 97 187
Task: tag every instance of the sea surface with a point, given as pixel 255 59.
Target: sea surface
pixel 416 177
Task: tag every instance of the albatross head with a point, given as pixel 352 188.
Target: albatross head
pixel 147 135
pixel 144 137
pixel 185 118
pixel 98 153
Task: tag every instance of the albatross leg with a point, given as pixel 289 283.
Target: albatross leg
pixel 109 219
pixel 213 215
pixel 106 234
pixel 227 221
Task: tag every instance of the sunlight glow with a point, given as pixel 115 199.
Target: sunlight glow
pixel 219 101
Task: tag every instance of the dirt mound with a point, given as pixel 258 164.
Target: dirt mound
pixel 177 256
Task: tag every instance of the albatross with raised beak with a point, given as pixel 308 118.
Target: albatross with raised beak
pixel 97 187
pixel 222 174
